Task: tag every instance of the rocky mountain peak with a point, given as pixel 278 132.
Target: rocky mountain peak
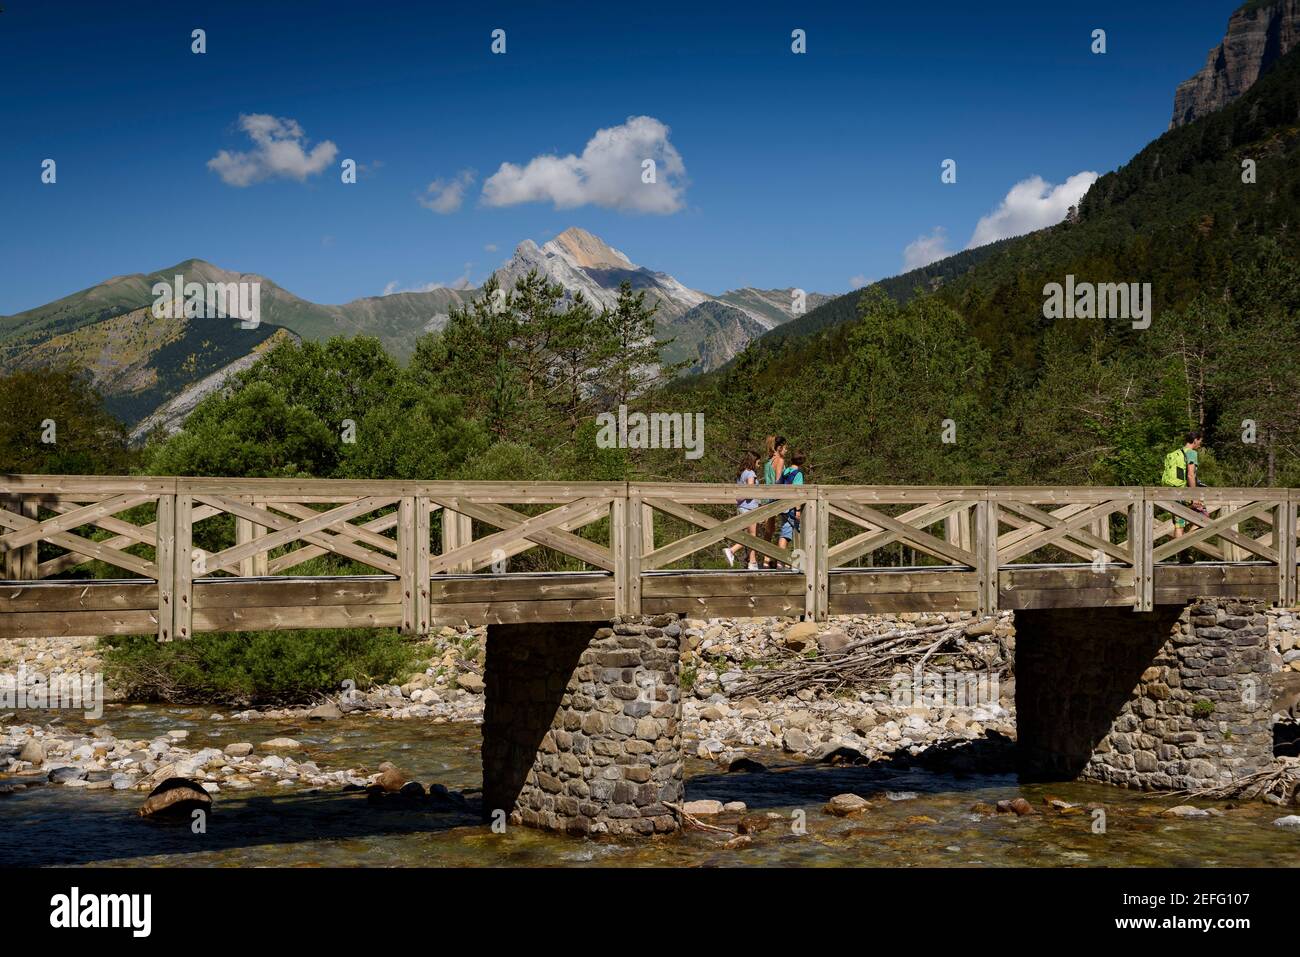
pixel 1259 33
pixel 586 251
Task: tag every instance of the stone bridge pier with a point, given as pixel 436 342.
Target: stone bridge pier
pixel 582 726
pixel 1174 698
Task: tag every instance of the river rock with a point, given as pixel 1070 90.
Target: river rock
pixel 282 744
pixel 175 798
pixel 843 805
pixel 325 712
pixel 390 780
pixel 832 641
pixel 702 808
pixel 800 635
pixel 1186 810
pixel 33 751
pixel 471 683
pixel 66 774
pixel 796 740
pixel 241 750
pixel 1291 820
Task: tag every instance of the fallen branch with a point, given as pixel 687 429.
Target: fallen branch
pixel 1281 780
pixel 694 821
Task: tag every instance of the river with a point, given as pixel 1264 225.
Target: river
pixel 293 827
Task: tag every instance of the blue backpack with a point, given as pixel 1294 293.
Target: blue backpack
pixel 787 478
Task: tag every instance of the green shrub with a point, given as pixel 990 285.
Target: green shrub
pixel 253 668
pixel 1203 709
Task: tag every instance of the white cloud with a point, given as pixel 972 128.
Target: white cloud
pixel 490 248
pixel 461 282
pixel 446 196
pixel 926 249
pixel 858 281
pixel 278 151
pixel 1031 204
pixel 608 173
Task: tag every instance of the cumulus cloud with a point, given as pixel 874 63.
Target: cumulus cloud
pixel 609 173
pixel 445 196
pixel 858 281
pixel 1032 204
pixel 279 150
pixel 926 249
pixel 461 282
pixel 490 248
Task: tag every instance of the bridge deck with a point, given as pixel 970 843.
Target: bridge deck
pixel 228 554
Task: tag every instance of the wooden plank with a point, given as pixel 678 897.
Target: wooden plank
pixel 423 558
pixel 406 561
pixel 293 618
pixel 542 529
pixel 618 546
pixel 1212 527
pixel 1285 545
pixel 1060 528
pixel 137 533
pixel 29 531
pixel 727 529
pixel 165 561
pixel 293 559
pixel 182 569
pixel 915 537
pixel 986 566
pixel 78 595
pixel 26 527
pixel 545 586
pixel 704 520
pixel 210 593
pixel 874 538
pixel 876 603
pixel 641 541
pixel 814 561
pixel 1140 515
pixel 522 612
pixel 44 624
pixel 723 584
pixel 755 606
pixel 902 581
pixel 312 530
pixel 94 486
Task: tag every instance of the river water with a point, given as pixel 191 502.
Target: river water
pixel 288 827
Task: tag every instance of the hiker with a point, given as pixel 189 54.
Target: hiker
pixel 773 466
pixel 792 475
pixel 1181 468
pixel 747 476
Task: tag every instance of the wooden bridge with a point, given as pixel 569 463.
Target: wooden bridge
pixel 174 556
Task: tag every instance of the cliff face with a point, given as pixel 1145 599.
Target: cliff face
pixel 1259 33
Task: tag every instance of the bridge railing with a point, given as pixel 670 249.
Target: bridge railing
pixel 241 554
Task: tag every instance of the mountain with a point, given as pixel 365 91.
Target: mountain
pixel 706 330
pixel 152 370
pixel 1259 34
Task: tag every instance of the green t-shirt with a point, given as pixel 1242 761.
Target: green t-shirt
pixel 1192 458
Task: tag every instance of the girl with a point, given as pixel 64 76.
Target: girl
pixel 793 475
pixel 747 476
pixel 772 470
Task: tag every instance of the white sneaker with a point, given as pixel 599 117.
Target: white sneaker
pixel 731 559
pixel 753 566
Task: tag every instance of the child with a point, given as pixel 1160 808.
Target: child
pixel 747 476
pixel 792 475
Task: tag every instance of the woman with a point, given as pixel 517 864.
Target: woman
pixel 746 476
pixel 772 469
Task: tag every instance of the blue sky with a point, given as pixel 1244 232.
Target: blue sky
pixel 814 170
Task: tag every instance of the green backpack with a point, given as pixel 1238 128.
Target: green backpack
pixel 1175 473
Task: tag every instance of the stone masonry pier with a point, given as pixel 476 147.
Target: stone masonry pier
pixel 1175 698
pixel 582 729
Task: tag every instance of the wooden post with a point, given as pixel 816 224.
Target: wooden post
pixel 618 547
pixel 261 562
pixel 465 536
pixel 450 531
pixel 1232 552
pixel 406 548
pixel 423 611
pixel 183 569
pixel 986 537
pixel 814 559
pixel 29 557
pixel 640 529
pixel 822 551
pixel 1141 524
pixel 165 563
pixel 1284 540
